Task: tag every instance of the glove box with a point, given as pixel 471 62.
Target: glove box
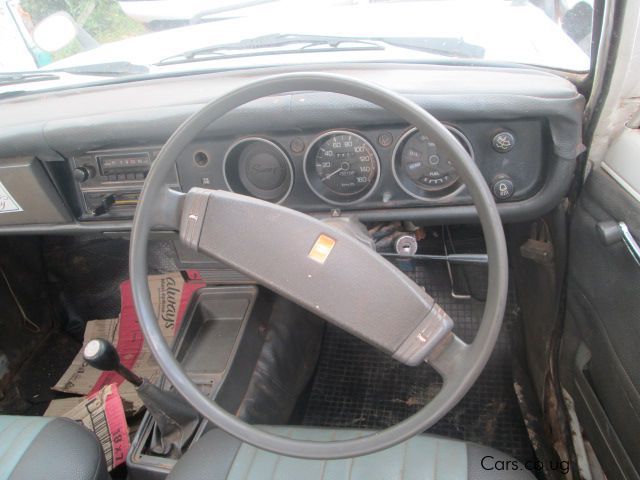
pixel 27 195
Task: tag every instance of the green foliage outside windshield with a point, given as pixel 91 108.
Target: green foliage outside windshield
pixel 102 19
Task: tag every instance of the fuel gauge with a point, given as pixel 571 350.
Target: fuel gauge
pixel 421 169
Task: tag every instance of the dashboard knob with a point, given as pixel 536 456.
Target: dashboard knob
pixel 503 142
pixel 82 174
pixel 503 188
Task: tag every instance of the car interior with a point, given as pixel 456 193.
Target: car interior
pixel 342 269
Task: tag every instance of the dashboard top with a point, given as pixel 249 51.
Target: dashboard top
pixel 367 176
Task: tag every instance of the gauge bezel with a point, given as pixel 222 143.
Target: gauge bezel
pixel 278 148
pixel 421 193
pixel 323 192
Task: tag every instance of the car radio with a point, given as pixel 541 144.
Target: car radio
pixel 110 181
pixel 126 166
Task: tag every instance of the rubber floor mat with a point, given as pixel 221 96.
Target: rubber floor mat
pixel 30 392
pixel 357 386
pixel 86 272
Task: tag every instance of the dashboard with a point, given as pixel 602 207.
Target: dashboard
pixel 320 153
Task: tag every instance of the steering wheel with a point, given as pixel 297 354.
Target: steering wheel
pixel 317 265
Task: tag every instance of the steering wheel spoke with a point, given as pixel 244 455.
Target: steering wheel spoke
pixel 167 210
pixel 447 357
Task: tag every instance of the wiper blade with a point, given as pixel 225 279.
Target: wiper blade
pixel 445 46
pixel 270 44
pixel 13 78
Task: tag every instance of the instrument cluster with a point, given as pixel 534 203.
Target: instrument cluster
pixel 342 167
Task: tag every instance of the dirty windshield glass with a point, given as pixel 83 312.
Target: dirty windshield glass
pixel 126 37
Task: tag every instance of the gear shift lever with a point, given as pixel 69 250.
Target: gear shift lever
pixel 101 355
pixel 175 420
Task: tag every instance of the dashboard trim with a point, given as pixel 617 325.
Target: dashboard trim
pixel 547 198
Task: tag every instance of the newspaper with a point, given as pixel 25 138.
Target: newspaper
pixel 102 413
pixel 82 379
pixel 170 295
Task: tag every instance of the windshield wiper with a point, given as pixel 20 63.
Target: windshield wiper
pixel 445 46
pixel 270 44
pixel 13 78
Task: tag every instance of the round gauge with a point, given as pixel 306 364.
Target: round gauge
pixel 258 167
pixel 341 167
pixel 422 170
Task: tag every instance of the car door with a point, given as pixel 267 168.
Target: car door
pixel 600 352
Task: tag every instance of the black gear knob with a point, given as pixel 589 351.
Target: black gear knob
pixel 101 354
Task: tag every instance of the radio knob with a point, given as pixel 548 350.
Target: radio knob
pixel 82 174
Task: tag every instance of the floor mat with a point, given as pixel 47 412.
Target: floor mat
pixel 31 392
pixel 357 386
pixel 85 274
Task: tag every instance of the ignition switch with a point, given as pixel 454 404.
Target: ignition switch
pixel 406 244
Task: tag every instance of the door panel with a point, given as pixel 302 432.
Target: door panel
pixel 600 356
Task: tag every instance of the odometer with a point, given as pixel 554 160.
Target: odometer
pixel 341 167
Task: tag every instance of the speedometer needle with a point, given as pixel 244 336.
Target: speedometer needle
pixel 333 173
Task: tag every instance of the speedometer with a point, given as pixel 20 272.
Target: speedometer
pixel 341 167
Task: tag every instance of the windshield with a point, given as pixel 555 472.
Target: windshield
pixel 139 37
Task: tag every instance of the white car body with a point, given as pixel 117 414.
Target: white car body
pixel 14 52
pixel 509 33
pixel 148 11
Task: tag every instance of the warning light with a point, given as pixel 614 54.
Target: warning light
pixel 321 249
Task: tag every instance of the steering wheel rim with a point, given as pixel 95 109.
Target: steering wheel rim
pixel 459 364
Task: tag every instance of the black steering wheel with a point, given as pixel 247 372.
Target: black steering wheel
pixel 317 265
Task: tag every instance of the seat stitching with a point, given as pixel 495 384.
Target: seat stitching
pixel 350 468
pixel 278 457
pixel 324 462
pixel 435 463
pixel 14 420
pixel 404 459
pixel 275 466
pixel 253 458
pixel 32 422
pixel 11 440
pixel 16 437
